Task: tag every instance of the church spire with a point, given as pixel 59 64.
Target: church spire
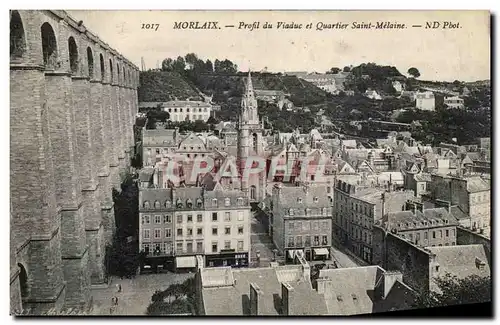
pixel 249 83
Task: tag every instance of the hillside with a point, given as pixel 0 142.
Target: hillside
pixel 156 86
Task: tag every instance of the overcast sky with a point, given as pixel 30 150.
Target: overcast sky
pixel 439 54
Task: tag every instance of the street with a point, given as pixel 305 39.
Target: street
pixel 136 293
pixel 260 241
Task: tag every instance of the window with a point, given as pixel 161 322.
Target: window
pixel 145 248
pixel 157 233
pixel 447 232
pixel 315 199
pixel 240 245
pixel 157 205
pixel 190 231
pixel 324 240
pixel 298 225
pixel 168 232
pixel 199 203
pixel 145 234
pixel 316 241
pixel 199 218
pixel 145 220
pixel 299 200
pixel 290 242
pixel 167 219
pixel 425 235
pixel 453 243
pixel 214 202
pixel 214 247
pixel 189 247
pixel 214 231
pixel 179 231
pixel 315 225
pixel 299 241
pixel 227 216
pixel 240 230
pixel 324 211
pixel 290 212
pixel 214 216
pixel 227 244
pixel 324 225
pixel 411 237
pixel 240 201
pixel 227 202
pixel 199 246
pixel 417 236
pixel 253 192
pixel 157 219
pixel 240 216
pixel 179 218
pixel 168 204
pixel 199 231
pixel 453 232
pixel 227 231
pixel 440 234
pixel 179 247
pixel 433 234
pixel 307 241
pixel 190 218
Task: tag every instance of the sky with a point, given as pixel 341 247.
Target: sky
pixel 461 53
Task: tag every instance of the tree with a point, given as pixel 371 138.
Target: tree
pixel 179 65
pixel 209 66
pixel 190 59
pixel 167 64
pixel 334 70
pixel 414 72
pixel 455 291
pixel 347 69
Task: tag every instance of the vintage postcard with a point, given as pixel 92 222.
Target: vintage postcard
pixel 249 163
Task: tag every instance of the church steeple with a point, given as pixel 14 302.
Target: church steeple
pixel 249 113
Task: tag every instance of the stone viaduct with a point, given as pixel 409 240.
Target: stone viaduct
pixel 73 101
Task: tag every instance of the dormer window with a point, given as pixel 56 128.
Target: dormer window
pixel 214 202
pixel 480 264
pixel 146 204
pixel 179 203
pixel 240 201
pixel 290 212
pixel 157 204
pixel 315 199
pixel 227 202
pixel 189 203
pixel 168 204
pixel 199 203
pixel 299 200
pixel 324 211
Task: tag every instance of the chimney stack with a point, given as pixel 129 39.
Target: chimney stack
pixel 386 282
pixel 255 296
pixel 287 299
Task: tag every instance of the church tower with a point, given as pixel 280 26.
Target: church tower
pixel 250 141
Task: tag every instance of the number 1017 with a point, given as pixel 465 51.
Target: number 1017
pixel 150 26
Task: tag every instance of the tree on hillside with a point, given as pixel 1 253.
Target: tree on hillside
pixel 179 65
pixel 167 64
pixel 209 66
pixel 333 70
pixel 414 72
pixel 190 59
pixel 455 291
pixel 347 69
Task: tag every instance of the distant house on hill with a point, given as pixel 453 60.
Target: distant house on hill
pixel 372 94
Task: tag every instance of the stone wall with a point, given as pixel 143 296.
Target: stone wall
pixel 71 120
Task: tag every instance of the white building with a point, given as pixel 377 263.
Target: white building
pixel 185 110
pixel 372 94
pixel 425 101
pixel 454 102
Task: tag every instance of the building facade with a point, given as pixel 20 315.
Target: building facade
pixel 425 101
pixel 301 221
pixel 454 102
pixel 177 224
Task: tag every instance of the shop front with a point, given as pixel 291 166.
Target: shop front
pixel 185 263
pixel 228 257
pixel 320 254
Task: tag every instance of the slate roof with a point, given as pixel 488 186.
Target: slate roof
pixel 290 195
pixel 423 177
pixel 159 137
pixel 458 213
pixel 477 184
pixel 227 291
pixel 460 260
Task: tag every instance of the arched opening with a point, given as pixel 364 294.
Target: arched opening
pixel 124 77
pixel 255 143
pixel 103 71
pixel 23 280
pixel 17 40
pixel 117 73
pixel 73 55
pixel 49 47
pixel 110 71
pixel 90 61
pixel 253 193
pixel 129 80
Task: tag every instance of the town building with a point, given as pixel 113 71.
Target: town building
pixel 372 94
pixel 158 143
pixel 421 266
pixel 177 224
pixel 425 101
pixel 276 97
pixel 301 220
pixel 454 102
pixel 184 110
pixel 356 208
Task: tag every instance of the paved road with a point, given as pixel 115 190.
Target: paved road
pixel 260 241
pixel 136 293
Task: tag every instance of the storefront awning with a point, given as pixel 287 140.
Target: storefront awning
pixel 185 261
pixel 291 253
pixel 294 252
pixel 321 251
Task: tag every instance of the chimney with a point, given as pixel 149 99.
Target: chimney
pixel 160 178
pixel 287 299
pixel 255 296
pixel 323 285
pixel 386 282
